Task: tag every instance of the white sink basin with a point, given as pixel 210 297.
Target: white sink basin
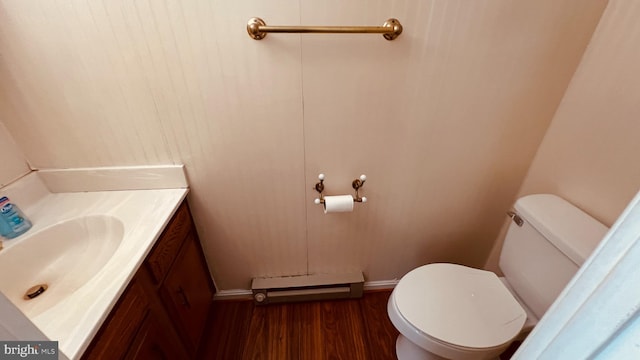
pixel 85 246
pixel 64 256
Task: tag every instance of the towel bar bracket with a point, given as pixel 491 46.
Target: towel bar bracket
pixel 253 28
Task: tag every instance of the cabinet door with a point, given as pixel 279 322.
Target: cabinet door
pixel 188 291
pixel 118 331
pixel 156 342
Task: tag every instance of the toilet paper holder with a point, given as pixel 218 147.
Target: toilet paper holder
pixel 356 184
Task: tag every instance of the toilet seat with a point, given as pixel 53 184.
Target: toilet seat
pixel 464 307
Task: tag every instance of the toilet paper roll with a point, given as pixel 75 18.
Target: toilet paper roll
pixel 338 203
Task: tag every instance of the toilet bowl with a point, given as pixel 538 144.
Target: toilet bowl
pixel 450 311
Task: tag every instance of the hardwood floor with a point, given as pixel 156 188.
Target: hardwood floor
pixel 338 329
pixel 323 330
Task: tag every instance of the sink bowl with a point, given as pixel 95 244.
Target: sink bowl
pixel 62 257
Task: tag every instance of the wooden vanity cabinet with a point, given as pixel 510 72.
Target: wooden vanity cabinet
pixel 119 330
pixel 162 313
pixel 155 341
pixel 187 293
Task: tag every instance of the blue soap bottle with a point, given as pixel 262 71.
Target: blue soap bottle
pixel 12 221
pixel 5 229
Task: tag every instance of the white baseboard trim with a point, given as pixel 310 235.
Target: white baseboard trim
pixel 235 294
pixel 245 294
pixel 380 285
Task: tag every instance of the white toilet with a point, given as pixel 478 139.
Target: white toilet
pixel 449 311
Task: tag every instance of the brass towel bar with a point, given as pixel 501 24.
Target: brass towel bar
pixel 258 29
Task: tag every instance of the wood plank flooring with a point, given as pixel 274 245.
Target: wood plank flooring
pixel 323 330
pixel 338 329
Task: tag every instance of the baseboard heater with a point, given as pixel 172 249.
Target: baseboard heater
pixel 307 288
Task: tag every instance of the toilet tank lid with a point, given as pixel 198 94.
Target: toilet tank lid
pixel 568 228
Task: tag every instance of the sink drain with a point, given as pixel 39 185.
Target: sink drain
pixel 35 291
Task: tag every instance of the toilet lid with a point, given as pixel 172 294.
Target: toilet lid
pixel 459 305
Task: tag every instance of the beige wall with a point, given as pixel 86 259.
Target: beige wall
pixel 590 153
pixel 444 120
pixel 11 159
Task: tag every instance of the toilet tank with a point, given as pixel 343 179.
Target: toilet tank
pixel 540 257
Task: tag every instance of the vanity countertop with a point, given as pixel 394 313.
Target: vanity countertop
pixel 144 213
pixel 76 319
